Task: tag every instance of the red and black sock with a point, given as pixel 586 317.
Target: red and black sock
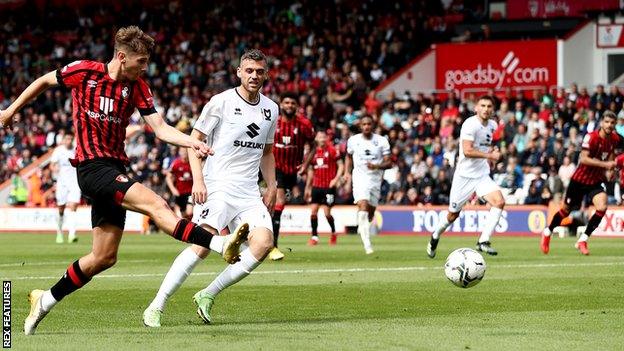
pixel 314 223
pixel 190 232
pixel 330 220
pixel 72 280
pixel 594 221
pixel 557 218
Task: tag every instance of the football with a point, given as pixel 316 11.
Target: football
pixel 465 267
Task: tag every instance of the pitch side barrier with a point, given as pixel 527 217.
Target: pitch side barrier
pixel 392 220
pixel 422 220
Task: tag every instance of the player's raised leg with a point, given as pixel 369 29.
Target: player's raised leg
pixel 143 200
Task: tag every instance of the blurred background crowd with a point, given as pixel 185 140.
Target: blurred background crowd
pixel 333 55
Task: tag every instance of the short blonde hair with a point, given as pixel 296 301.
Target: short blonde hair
pixel 133 39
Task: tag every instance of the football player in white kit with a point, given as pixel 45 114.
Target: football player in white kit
pixel 67 189
pixel 368 154
pixel 239 125
pixel 472 175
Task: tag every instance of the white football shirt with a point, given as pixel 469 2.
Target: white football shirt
pixel 481 137
pixel 66 172
pixel 363 151
pixel 242 130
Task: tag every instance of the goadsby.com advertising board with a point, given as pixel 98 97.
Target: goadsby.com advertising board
pixel 497 64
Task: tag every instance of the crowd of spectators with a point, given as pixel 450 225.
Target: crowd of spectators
pixel 331 54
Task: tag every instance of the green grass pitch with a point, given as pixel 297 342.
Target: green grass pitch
pixel 331 298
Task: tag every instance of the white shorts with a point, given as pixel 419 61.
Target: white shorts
pixel 67 193
pixel 221 210
pixel 368 192
pixel 463 188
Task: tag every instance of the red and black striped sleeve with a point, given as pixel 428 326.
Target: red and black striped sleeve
pixel 73 74
pixel 143 99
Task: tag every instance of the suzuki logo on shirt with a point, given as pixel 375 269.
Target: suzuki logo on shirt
pixel 106 104
pixel 253 130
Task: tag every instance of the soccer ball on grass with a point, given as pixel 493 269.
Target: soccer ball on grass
pixel 465 267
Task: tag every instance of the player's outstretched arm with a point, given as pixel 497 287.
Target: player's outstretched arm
pixel 169 182
pixel 35 88
pixel 267 167
pixel 307 193
pixel 173 136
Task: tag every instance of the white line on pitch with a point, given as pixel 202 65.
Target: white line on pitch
pixel 343 270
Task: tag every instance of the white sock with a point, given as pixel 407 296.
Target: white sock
pixel 59 224
pixel 217 242
pixel 442 225
pixel 47 301
pixel 364 228
pixel 495 214
pixel 71 223
pixel 583 237
pixel 233 273
pixel 179 271
pixel 547 232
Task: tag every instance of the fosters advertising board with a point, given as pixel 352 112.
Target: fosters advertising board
pixel 497 65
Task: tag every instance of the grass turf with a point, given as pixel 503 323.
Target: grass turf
pixel 331 298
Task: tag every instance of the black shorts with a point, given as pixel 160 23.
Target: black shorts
pixel 285 181
pixel 577 191
pixel 105 183
pixel 323 196
pixel 182 201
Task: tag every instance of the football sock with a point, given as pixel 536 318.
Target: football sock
pixel 442 225
pixel 557 218
pixel 583 237
pixel 330 220
pixel 594 221
pixel 72 280
pixel 277 218
pixel 71 223
pixel 314 223
pixel 59 224
pixel 364 228
pixel 233 273
pixel 179 271
pixel 491 223
pixel 47 301
pixel 190 232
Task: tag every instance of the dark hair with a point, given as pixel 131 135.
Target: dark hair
pixel 609 114
pixel 132 38
pixel 365 117
pixel 486 97
pixel 289 95
pixel 253 54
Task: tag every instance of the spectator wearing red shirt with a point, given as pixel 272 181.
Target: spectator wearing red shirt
pixel 180 183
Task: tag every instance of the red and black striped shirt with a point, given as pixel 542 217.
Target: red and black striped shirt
pixel 325 165
pixel 290 137
pixel 599 148
pixel 102 108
